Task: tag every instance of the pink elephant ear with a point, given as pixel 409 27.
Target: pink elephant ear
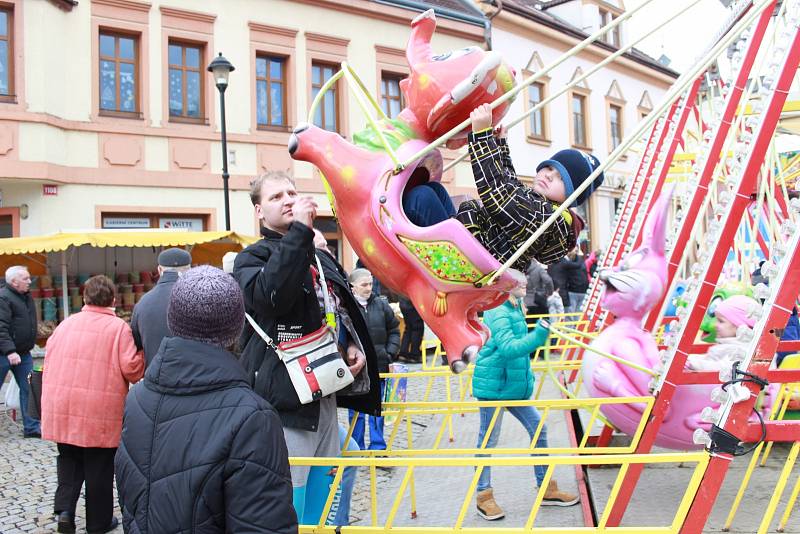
pixel 418 49
pixel 655 229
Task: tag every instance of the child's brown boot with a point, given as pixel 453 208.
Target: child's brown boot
pixel 487 508
pixel 555 497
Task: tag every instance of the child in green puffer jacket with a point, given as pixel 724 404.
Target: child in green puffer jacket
pixel 503 372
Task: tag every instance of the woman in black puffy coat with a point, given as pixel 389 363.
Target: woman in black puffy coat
pixel 384 330
pixel 200 451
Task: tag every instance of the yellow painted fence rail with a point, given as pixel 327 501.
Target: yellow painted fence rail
pixel 411 465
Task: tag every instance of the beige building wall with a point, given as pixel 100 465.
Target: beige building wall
pixel 632 86
pixel 55 134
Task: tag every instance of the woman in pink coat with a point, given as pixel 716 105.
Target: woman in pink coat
pixel 90 361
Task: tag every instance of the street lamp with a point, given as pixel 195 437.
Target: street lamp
pixel 220 69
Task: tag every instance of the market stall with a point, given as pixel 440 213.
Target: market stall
pixel 60 263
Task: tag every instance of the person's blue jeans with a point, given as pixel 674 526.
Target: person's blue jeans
pixel 428 204
pixel 376 440
pixel 529 417
pixel 21 372
pixel 321 477
pixel 342 515
pixel 575 302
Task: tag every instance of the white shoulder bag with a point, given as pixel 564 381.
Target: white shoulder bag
pixel 314 363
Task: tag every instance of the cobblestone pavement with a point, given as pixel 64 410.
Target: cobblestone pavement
pixel 360 504
pixel 28 478
pixel 28 482
pixel 28 475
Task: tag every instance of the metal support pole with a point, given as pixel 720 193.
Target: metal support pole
pixel 225 174
pixel 64 285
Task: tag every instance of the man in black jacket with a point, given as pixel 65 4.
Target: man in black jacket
pixel 384 330
pixel 281 295
pixel 200 451
pixel 410 344
pixel 149 319
pixel 559 274
pixel 577 279
pixel 17 338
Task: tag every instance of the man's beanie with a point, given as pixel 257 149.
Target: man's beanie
pixel 206 305
pixel 174 257
pixel 575 167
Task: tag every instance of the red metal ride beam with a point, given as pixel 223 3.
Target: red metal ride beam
pixel 653 146
pixel 625 227
pixel 662 177
pixel 738 421
pixel 693 211
pixel 739 203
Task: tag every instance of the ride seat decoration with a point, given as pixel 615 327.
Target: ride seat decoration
pixel 438 267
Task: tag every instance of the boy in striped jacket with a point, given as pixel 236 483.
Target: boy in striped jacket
pixel 509 212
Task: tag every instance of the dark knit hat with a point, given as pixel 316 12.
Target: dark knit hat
pixel 174 257
pixel 206 305
pixel 575 167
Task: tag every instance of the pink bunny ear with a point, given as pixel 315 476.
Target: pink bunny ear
pixel 655 229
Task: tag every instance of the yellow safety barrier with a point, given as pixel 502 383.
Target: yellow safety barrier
pixel 479 463
pixel 405 410
pixel 563 320
pixel 544 367
pixel 779 409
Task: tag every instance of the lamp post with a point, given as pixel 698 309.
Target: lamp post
pixel 220 69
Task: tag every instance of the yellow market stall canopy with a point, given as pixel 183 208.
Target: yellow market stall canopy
pixel 152 238
pixel 61 262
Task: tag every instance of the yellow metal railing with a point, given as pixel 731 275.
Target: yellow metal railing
pixel 551 462
pixel 779 409
pixel 405 411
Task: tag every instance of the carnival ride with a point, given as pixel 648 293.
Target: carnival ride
pixel 732 205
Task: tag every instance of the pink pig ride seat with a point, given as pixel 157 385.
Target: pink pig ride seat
pixel 632 289
pixel 437 267
pixel 440 267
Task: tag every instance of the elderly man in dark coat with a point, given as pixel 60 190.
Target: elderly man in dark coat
pixel 384 329
pixel 17 338
pixel 149 319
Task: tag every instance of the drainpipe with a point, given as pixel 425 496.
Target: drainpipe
pixel 487 25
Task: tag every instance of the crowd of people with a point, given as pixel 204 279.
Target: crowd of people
pixel 196 407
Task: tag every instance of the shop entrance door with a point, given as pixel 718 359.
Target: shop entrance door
pixel 6 226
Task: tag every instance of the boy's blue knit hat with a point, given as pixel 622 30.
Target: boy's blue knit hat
pixel 575 167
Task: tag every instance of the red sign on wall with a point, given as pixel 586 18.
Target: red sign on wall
pixel 49 189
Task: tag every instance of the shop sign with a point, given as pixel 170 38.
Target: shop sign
pixel 186 225
pixel 126 222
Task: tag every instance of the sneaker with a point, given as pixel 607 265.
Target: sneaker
pixel 487 507
pixel 33 434
pixel 555 497
pixel 66 523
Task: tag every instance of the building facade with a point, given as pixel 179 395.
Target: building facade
pixel 109 119
pixel 594 116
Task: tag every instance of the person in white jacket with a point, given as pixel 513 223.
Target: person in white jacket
pixel 731 313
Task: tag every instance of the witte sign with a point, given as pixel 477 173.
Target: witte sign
pixel 186 225
pixel 126 222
